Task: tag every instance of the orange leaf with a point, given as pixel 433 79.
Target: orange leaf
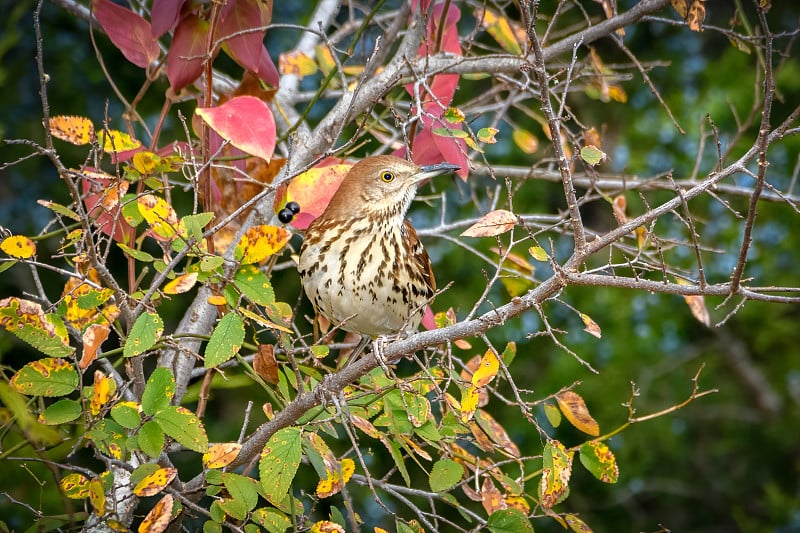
pixel 494 223
pixel 101 394
pixel 575 410
pixel 181 284
pixel 487 369
pixel 697 305
pixel 313 189
pixel 159 516
pixel 222 454
pixel 76 130
pixel 155 482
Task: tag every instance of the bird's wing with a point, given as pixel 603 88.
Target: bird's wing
pixel 419 256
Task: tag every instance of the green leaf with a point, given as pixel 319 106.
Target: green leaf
pixel 242 489
pixel 182 425
pixel 158 391
pixel 151 439
pixel 271 519
pixel 553 414
pixel 136 254
pixel 509 353
pixel 255 285
pixel 598 459
pixel 46 377
pixel 126 414
pixel 445 474
pixel 509 521
pixel 194 224
pixel 394 450
pixel 226 340
pixel 27 320
pixel 17 405
pixel 210 263
pixel 144 334
pixel 279 461
pixel 592 155
pixel 61 412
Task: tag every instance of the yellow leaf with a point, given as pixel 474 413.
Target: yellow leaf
pixel 221 454
pixel 525 140
pixel 486 135
pixel 326 526
pixel 538 253
pixel 296 63
pixel 333 483
pixel 181 284
pixel 469 403
pixel 216 299
pixel 500 29
pixel 325 58
pixel 575 410
pixel 117 141
pixel 159 215
pixel 19 246
pixel 487 369
pixel 641 237
pixel 260 242
pixel 101 394
pixel 145 162
pixel 76 130
pixel 155 482
pixel 97 496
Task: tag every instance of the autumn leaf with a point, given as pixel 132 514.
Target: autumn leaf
pixel 260 242
pixel 221 455
pixel 246 121
pixel 19 246
pixel 155 482
pixel 181 284
pixel 493 223
pixel 575 410
pixel 556 471
pixel 75 130
pixel 487 369
pixel 296 63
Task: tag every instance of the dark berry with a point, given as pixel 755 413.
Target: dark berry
pixel 285 216
pixel 294 207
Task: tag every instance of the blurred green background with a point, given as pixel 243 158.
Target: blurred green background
pixel 727 462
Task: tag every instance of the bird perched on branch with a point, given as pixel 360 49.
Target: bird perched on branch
pixel 361 263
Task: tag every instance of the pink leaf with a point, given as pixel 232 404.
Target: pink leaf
pixel 493 223
pixel 164 16
pixel 187 52
pixel 266 69
pixel 128 31
pixel 246 122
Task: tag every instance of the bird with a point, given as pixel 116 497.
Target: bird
pixel 361 262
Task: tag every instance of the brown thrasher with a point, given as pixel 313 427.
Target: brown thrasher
pixel 361 263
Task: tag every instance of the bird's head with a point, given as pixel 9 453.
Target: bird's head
pixel 381 184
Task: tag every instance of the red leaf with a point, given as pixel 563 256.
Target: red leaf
pixel 246 122
pixel 240 16
pixel 187 51
pixel 267 71
pixel 164 15
pixel 128 31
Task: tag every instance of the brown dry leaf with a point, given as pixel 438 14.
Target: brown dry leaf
pixel 696 15
pixel 591 326
pixel 265 364
pixel 366 426
pixel 497 433
pixel 618 207
pixel 575 410
pixel 491 498
pixel 493 223
pixel 697 304
pixel 155 482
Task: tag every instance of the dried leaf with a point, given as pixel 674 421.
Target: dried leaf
pixel 265 364
pixel 221 454
pixel 591 326
pixel 494 223
pixel 159 516
pixel 556 471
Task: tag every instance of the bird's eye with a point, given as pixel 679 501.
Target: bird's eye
pixel 387 176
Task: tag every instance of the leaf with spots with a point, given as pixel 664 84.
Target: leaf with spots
pixel 181 284
pixel 576 524
pixel 97 496
pixel 126 414
pixel 114 141
pixel 279 461
pixel 144 334
pixel 221 455
pixel 104 388
pixel 18 246
pixel 469 403
pixel 27 320
pixel 226 340
pixel 575 410
pixel 159 215
pixel 600 461
pixel 260 242
pixel 154 483
pixel 183 425
pixel 75 130
pixel 158 391
pixel 255 285
pixel 333 482
pixel 159 516
pixel 75 486
pixel 46 377
pixel 556 471
pixel 487 370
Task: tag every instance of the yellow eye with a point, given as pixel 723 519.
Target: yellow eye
pixel 387 176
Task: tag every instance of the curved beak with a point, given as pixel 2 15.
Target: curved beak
pixel 430 171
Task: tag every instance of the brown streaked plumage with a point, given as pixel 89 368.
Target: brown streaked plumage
pixel 361 263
